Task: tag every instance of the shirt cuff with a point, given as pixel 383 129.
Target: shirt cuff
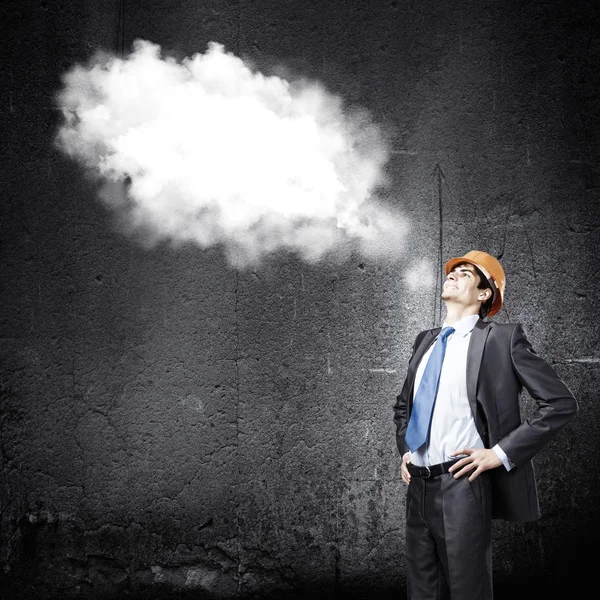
pixel 405 455
pixel 508 464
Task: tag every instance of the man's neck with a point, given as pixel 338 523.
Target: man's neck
pixel 455 313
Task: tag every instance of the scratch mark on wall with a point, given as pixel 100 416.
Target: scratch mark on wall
pixel 594 275
pixel 239 29
pixel 121 29
pixel 438 179
pixel 466 178
pixel 508 215
pixel 404 151
pixel 584 360
pixel 530 252
pixel 237 428
pixel 580 124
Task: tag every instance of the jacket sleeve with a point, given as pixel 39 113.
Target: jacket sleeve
pixel 401 407
pixel 555 404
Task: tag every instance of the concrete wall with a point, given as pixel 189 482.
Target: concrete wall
pixel 174 427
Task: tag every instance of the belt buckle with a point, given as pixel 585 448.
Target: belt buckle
pixel 428 473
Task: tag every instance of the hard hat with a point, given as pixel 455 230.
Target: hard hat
pixel 492 270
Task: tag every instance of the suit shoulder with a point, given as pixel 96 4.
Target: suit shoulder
pixel 505 326
pixel 505 329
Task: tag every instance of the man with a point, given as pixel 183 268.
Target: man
pixel 466 455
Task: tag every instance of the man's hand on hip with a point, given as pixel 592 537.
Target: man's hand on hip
pixel 476 462
pixel 404 468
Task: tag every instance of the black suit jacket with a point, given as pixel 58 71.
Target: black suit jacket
pixel 500 362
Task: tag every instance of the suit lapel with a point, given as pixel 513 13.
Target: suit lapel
pixel 474 356
pixel 426 342
pixel 424 346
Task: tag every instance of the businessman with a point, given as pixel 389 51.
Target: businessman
pixel 466 453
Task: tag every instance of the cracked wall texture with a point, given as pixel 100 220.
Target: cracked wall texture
pixel 171 426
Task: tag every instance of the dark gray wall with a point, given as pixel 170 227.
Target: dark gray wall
pixel 172 425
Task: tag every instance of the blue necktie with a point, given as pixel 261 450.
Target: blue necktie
pixel 420 417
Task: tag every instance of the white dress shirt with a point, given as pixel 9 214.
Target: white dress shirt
pixel 452 424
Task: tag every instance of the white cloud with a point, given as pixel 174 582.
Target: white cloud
pixel 420 275
pixel 208 151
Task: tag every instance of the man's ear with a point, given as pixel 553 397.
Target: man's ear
pixel 487 294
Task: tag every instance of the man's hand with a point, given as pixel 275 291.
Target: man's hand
pixel 404 468
pixel 478 461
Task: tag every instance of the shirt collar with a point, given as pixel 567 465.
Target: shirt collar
pixel 464 326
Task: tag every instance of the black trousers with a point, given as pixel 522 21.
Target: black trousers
pixel 449 538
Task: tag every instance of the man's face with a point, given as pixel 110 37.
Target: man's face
pixel 461 286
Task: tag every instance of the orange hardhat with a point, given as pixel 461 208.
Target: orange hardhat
pixel 492 270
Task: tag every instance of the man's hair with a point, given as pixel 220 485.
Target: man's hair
pixel 484 284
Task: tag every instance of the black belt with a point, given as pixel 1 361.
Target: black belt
pixel 432 471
